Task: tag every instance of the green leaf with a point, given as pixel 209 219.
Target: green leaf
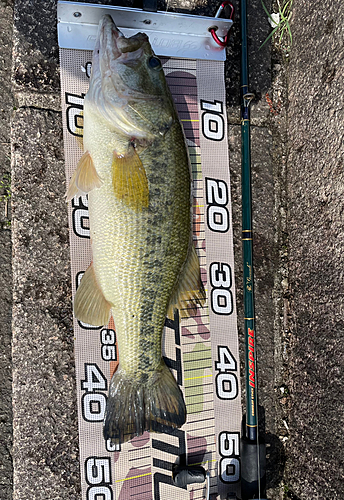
pixel 284 26
pixel 286 7
pixel 267 12
pixel 268 38
pixel 289 31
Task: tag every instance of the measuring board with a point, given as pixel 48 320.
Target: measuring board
pixel 201 351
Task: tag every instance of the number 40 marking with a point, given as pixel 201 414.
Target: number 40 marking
pixel 93 403
pixel 226 382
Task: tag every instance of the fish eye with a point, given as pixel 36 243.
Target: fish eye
pixel 154 63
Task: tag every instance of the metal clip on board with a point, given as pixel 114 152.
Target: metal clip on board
pixel 171 34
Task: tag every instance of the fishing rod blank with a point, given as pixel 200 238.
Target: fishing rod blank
pixel 253 454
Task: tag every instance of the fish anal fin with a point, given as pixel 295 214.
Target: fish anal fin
pixel 90 305
pixel 129 180
pixel 84 178
pixel 190 290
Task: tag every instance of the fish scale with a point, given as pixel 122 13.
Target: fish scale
pixel 144 263
pixel 126 265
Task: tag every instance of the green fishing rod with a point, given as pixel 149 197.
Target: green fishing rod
pixel 252 450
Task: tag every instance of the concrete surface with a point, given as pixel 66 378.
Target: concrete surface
pixel 297 174
pixel 38 466
pixel 6 107
pixel 45 445
pixel 316 242
pixel 45 434
pixel 45 454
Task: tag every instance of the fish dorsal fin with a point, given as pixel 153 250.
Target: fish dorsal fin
pixel 84 178
pixel 129 180
pixel 90 305
pixel 189 290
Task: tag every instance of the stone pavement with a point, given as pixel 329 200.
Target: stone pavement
pixel 6 107
pixel 297 173
pixel 315 181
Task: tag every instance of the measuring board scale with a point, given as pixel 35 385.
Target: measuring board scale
pixel 201 351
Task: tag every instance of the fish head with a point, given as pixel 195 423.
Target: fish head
pixel 128 84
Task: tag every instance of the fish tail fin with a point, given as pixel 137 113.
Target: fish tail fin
pixel 138 405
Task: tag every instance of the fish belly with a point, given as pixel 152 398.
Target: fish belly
pixel 138 255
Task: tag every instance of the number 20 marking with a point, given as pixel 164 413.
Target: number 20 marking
pixel 217 199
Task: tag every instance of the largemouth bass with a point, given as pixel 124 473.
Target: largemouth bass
pixel 135 169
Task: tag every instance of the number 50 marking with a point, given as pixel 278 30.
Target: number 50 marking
pixel 98 476
pixel 229 451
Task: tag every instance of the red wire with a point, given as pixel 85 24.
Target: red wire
pixel 223 5
pixel 222 43
pixel 217 40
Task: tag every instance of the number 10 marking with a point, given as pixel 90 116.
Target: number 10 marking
pixel 213 125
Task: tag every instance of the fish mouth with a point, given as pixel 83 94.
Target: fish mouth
pixel 112 44
pixel 122 83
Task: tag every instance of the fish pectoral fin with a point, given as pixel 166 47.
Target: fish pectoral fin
pixel 90 305
pixel 190 290
pixel 129 180
pixel 84 178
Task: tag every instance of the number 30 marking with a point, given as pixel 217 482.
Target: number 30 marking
pixel 221 297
